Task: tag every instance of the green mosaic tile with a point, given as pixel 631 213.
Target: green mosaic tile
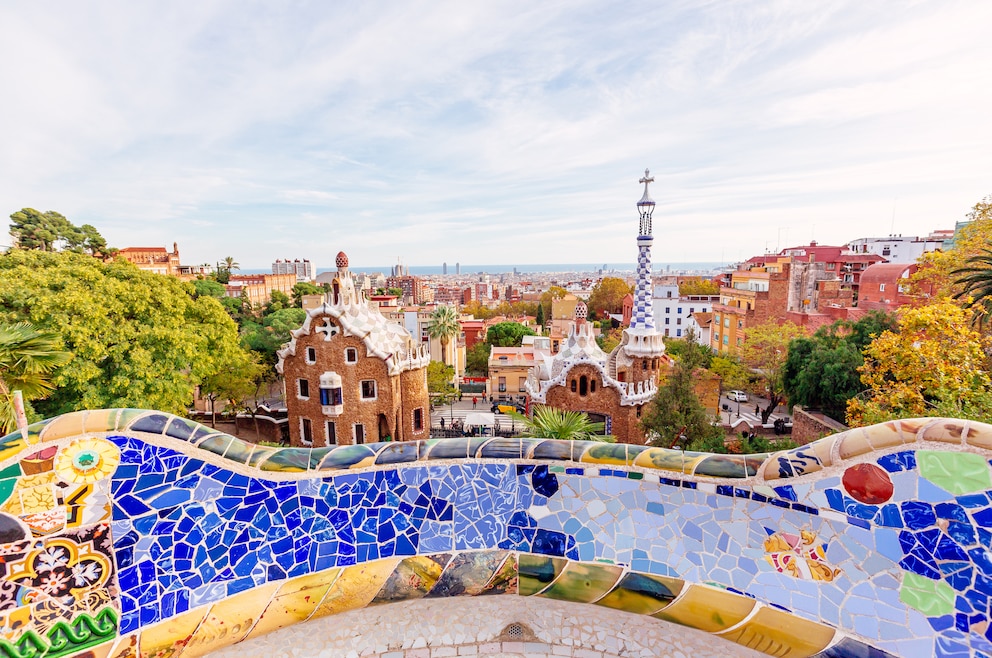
pixel 557 469
pixel 957 472
pixel 635 476
pixel 931 597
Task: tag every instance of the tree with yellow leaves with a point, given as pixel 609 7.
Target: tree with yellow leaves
pixel 934 365
pixel 764 353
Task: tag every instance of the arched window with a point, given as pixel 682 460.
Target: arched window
pixel 583 385
pixel 592 385
pixel 573 386
pixel 644 364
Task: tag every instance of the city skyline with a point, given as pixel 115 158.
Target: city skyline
pixel 495 134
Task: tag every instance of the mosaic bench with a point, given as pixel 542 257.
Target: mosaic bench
pixel 128 532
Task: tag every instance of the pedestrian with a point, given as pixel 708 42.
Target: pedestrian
pixel 442 422
pixel 757 409
pixel 459 396
pixel 475 401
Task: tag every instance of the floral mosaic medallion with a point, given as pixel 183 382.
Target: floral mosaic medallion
pixel 87 460
pixel 801 556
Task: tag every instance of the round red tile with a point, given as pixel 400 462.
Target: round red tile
pixel 868 484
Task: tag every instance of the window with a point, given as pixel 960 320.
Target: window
pixel 502 384
pixel 583 385
pixel 351 355
pixel 311 355
pixel 678 321
pixel 679 310
pixel 306 432
pixel 418 419
pixel 740 324
pixel 574 386
pixel 726 323
pixel 592 385
pixel 368 389
pixel 692 309
pixel 678 333
pixel 669 293
pixel 726 340
pixel 522 385
pixel 666 331
pixel 303 389
pixel 644 364
pixel 668 309
pixel 332 433
pixel 666 320
pixel 638 412
pixel 359 433
pixel 881 287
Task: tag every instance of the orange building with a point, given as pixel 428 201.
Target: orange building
pixel 153 259
pixel 258 288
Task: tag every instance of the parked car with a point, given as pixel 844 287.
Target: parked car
pixel 737 396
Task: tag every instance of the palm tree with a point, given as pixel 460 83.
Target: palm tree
pixel 554 423
pixel 976 277
pixel 231 264
pixel 444 326
pixel 27 357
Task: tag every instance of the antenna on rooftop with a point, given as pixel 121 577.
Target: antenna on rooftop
pixel 892 229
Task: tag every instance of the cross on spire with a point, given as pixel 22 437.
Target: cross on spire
pixel 648 178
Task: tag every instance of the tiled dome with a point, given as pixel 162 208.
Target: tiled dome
pixel 341 260
pixel 581 311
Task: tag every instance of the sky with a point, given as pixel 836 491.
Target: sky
pixel 494 132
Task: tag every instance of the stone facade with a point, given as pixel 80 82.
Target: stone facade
pixel 602 403
pixel 353 377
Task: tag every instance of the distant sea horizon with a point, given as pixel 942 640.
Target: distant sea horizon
pixel 525 268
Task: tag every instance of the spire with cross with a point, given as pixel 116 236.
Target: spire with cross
pixel 646 205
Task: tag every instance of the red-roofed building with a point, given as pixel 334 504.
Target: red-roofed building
pixel 153 259
pixel 881 288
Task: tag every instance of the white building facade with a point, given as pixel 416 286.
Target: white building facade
pixel 671 311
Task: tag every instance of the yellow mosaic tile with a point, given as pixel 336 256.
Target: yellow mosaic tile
pixel 911 427
pixel 169 638
pixel 584 583
pixel 643 594
pixel 770 471
pixel 295 601
pixel 70 424
pixel 781 634
pixel 886 435
pixel 12 447
pixel 412 579
pixel 980 435
pixel 229 620
pixel 41 489
pixel 355 587
pixel 944 430
pixel 536 572
pixel 102 420
pixel 855 443
pixel 668 460
pixel 707 608
pixel 606 453
pixel 125 647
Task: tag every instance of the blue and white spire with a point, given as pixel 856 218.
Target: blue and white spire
pixel 642 339
pixel 643 314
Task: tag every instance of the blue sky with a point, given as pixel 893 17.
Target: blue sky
pixel 494 132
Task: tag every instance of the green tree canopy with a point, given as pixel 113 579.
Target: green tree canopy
pixel 303 288
pixel 477 360
pixel 607 296
pixel 51 231
pixel 822 371
pixel 764 353
pixel 439 387
pixel 138 339
pixel 269 335
pixel 507 334
pixel 208 288
pixel 698 286
pixel 445 327
pixel 677 411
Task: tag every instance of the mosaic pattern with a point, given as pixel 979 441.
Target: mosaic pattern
pixel 141 532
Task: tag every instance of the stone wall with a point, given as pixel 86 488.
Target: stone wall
pixel 808 426
pixel 625 422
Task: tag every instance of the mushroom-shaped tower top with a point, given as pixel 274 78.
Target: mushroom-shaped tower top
pixel 581 311
pixel 342 260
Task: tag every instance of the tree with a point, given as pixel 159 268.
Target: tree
pixel 975 279
pixel 269 335
pixel 676 410
pixel 439 387
pixel 935 364
pixel 38 230
pixel 278 301
pixel 28 357
pixel 607 296
pixel 444 326
pixel 477 360
pixel 764 353
pixel 698 286
pixel 230 264
pixel 208 288
pixel 234 384
pixel 507 334
pixel 138 339
pixel 731 371
pixel 677 347
pixel 93 243
pixel 554 423
pixel 551 294
pixel 609 339
pixel 822 371
pixel 303 288
pixel 539 320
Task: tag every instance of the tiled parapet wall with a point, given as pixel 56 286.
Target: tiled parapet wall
pixel 128 531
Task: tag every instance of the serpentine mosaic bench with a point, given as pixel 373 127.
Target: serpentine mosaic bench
pixel 128 532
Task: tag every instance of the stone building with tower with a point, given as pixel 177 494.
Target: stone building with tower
pixel 611 388
pixel 351 375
